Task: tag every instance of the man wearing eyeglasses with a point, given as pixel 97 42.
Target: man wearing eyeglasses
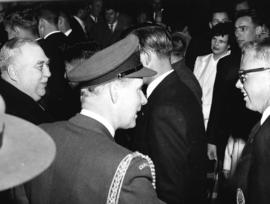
pixel 252 174
pixel 228 110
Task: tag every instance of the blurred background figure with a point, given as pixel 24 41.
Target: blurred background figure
pixel 107 32
pixel 179 42
pixel 201 44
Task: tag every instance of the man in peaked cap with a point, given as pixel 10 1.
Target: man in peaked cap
pixel 90 167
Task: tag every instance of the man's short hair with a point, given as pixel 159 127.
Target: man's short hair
pixel 179 44
pixel 261 48
pixel 49 12
pixel 217 8
pixel 222 29
pixel 156 39
pixel 256 19
pixel 24 18
pixel 11 49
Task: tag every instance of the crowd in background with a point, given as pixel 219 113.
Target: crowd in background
pixel 195 121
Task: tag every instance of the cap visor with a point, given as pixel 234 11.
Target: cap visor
pixel 144 72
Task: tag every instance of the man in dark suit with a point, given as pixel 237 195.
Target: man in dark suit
pixel 54 43
pixel 227 107
pixel 170 127
pixel 24 79
pixel 71 28
pixel 94 15
pixel 252 173
pixel 24 76
pixel 110 31
pixel 90 167
pixel 179 43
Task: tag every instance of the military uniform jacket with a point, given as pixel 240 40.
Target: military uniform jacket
pixel 252 173
pixel 85 167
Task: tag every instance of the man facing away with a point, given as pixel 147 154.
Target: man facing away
pixel 90 167
pixel 170 127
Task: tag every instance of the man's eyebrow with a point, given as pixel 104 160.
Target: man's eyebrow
pixel 43 61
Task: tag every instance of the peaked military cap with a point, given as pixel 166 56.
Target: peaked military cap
pixel 119 60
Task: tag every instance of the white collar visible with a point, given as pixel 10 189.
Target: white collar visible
pixel 156 82
pixel 114 25
pixel 100 119
pixel 224 55
pixel 265 115
pixel 81 23
pixel 57 31
pixel 68 32
pixel 95 19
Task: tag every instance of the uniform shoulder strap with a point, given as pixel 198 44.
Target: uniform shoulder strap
pixel 117 182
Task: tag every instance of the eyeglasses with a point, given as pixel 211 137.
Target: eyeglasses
pixel 242 73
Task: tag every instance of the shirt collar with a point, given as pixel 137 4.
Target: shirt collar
pixel 156 82
pixel 100 119
pixel 265 115
pixel 57 31
pixel 81 23
pixel 95 19
pixel 114 25
pixel 68 32
pixel 224 55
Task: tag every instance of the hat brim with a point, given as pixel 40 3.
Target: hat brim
pixel 143 72
pixel 26 151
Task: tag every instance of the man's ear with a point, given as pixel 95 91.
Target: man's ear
pixel 11 71
pixel 17 30
pixel 113 90
pixel 146 58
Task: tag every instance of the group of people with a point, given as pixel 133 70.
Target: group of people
pixel 137 112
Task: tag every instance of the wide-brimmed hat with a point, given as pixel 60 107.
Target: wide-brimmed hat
pixel 25 151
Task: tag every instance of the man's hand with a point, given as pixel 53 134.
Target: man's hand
pixel 212 151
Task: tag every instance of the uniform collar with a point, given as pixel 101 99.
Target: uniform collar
pixel 100 119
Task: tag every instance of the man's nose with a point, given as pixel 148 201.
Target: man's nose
pixel 238 84
pixel 143 98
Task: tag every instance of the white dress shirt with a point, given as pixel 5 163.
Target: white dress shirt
pixel 113 26
pixel 68 32
pixel 100 119
pixel 81 23
pixel 156 82
pixel 205 70
pixel 265 114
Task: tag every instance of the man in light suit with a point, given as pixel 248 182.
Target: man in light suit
pixel 170 128
pixel 90 167
pixel 252 173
